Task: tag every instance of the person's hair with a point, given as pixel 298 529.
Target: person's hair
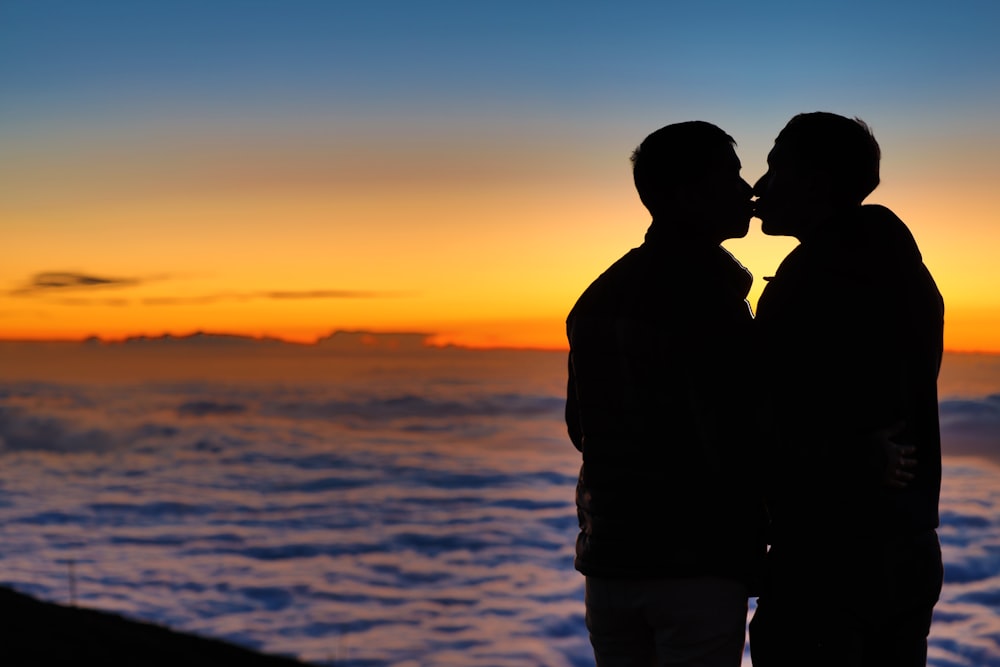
pixel 844 148
pixel 675 154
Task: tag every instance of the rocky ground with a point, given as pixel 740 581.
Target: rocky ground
pixel 38 634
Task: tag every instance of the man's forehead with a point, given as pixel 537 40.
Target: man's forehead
pixel 715 158
pixel 729 158
pixel 716 152
pixel 779 154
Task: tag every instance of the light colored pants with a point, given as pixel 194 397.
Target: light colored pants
pixel 689 622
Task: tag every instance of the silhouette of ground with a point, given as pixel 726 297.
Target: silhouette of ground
pixel 40 634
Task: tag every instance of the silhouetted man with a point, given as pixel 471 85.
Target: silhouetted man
pixel 658 406
pixel 850 331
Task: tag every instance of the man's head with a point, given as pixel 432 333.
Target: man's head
pixel 821 164
pixel 688 176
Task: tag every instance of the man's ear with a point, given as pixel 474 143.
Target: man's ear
pixel 690 198
pixel 663 202
pixel 816 198
pixel 821 190
pixel 818 183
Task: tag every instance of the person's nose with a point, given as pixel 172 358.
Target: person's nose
pixel 761 184
pixel 745 188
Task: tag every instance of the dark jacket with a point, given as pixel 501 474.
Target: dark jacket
pixel 850 334
pixel 657 403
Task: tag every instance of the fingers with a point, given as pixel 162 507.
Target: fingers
pixel 904 455
pixel 900 479
pixel 901 463
pixel 904 477
pixel 899 483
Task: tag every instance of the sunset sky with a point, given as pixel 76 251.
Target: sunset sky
pixel 294 167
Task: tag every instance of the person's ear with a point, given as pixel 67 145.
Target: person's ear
pixel 663 201
pixel 821 190
pixel 692 197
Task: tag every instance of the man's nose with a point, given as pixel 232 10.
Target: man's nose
pixel 761 185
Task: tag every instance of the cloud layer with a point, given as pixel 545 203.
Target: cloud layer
pixel 376 518
pixel 971 427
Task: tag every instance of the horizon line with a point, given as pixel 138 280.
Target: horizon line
pixel 426 340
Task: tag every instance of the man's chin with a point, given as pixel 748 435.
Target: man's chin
pixel 772 227
pixel 735 231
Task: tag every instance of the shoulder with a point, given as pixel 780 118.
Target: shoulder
pixel 867 243
pixel 872 233
pixel 608 289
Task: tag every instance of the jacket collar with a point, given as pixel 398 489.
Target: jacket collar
pixel 704 263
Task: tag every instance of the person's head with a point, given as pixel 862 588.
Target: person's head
pixel 821 164
pixel 688 176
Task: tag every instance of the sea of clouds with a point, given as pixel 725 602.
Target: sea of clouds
pixel 415 518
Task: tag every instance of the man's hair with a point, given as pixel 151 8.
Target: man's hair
pixel 844 148
pixel 675 154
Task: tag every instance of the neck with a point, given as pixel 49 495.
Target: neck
pixel 822 225
pixel 666 231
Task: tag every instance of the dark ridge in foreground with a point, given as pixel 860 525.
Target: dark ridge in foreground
pixel 41 633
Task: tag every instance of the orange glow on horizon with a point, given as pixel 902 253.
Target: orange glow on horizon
pixel 966 330
pixel 494 256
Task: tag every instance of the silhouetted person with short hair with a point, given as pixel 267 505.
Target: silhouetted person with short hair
pixel 659 406
pixel 850 336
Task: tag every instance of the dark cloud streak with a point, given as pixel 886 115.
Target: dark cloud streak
pixel 325 294
pixel 112 303
pixel 204 299
pixel 276 295
pixel 56 281
pixel 49 283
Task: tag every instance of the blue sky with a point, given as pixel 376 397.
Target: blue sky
pixel 99 95
pixel 608 70
pixel 546 55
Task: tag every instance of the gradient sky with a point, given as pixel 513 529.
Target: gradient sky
pixel 459 168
